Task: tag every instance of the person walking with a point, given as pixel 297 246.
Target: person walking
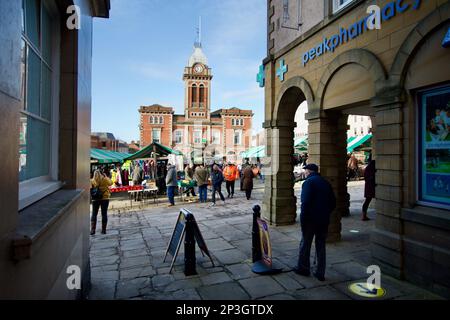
pixel 369 187
pixel 101 183
pixel 189 176
pixel 317 203
pixel 231 174
pixel 171 183
pixel 216 180
pixel 247 181
pixel 201 175
pixel 243 167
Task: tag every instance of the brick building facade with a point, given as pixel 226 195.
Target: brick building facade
pixel 201 135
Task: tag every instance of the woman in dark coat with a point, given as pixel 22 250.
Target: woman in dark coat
pixel 369 188
pixel 247 181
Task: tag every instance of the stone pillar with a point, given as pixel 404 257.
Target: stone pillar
pixel 328 149
pixel 280 203
pixel 387 237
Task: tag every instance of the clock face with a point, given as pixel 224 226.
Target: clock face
pixel 198 68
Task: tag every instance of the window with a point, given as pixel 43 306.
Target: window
pixel 197 136
pixel 233 122
pixel 156 135
pixel 237 137
pixel 38 137
pixel 216 137
pixel 152 120
pixel 434 147
pixel 161 120
pixel 202 95
pixel 286 11
pixel 194 95
pixel 340 4
pixel 178 137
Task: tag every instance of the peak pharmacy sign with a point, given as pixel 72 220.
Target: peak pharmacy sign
pixel 370 22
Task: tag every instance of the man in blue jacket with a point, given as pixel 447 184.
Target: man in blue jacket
pixel 318 201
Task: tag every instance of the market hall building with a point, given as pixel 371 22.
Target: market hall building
pixel 200 134
pixel 324 52
pixel 45 128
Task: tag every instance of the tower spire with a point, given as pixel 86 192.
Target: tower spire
pixel 198 43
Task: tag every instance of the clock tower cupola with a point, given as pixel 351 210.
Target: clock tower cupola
pixel 197 80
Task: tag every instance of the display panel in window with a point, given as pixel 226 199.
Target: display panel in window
pixel 434 146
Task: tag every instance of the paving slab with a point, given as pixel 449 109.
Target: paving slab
pixel 223 291
pixel 320 293
pixel 261 286
pixel 127 263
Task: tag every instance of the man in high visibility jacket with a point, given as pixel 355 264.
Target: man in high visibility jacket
pixel 231 174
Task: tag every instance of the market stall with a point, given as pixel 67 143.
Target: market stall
pixel 161 156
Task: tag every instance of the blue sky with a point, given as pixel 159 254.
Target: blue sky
pixel 141 51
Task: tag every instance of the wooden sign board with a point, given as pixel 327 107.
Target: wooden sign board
pixel 178 235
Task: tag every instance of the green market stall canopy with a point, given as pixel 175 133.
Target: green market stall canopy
pixel 147 152
pixel 301 144
pixel 107 156
pixel 255 152
pixel 359 142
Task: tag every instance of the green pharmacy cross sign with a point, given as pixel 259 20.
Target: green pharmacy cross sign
pixel 282 70
pixel 261 77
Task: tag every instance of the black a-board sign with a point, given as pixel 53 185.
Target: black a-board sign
pixel 178 234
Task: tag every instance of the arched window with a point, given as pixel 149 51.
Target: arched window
pixel 152 120
pixel 202 95
pixel 194 95
pixel 161 120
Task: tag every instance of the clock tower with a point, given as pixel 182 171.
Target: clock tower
pixel 197 81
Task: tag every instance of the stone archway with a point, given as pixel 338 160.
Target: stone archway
pixel 280 203
pixel 328 128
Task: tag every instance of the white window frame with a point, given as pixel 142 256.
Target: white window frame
pixel 194 136
pixel 338 7
pixel 35 189
pixel 239 143
pixel 218 133
pixel 161 120
pixel 159 133
pixel 180 133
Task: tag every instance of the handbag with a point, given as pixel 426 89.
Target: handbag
pixel 96 194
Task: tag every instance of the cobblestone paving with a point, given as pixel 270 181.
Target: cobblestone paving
pixel 127 263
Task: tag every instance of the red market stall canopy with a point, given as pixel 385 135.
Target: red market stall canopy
pixel 147 152
pixel 107 156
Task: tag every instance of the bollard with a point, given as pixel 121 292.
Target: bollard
pixel 189 247
pixel 256 241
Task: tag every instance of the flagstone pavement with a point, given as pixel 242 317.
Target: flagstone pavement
pixel 127 263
